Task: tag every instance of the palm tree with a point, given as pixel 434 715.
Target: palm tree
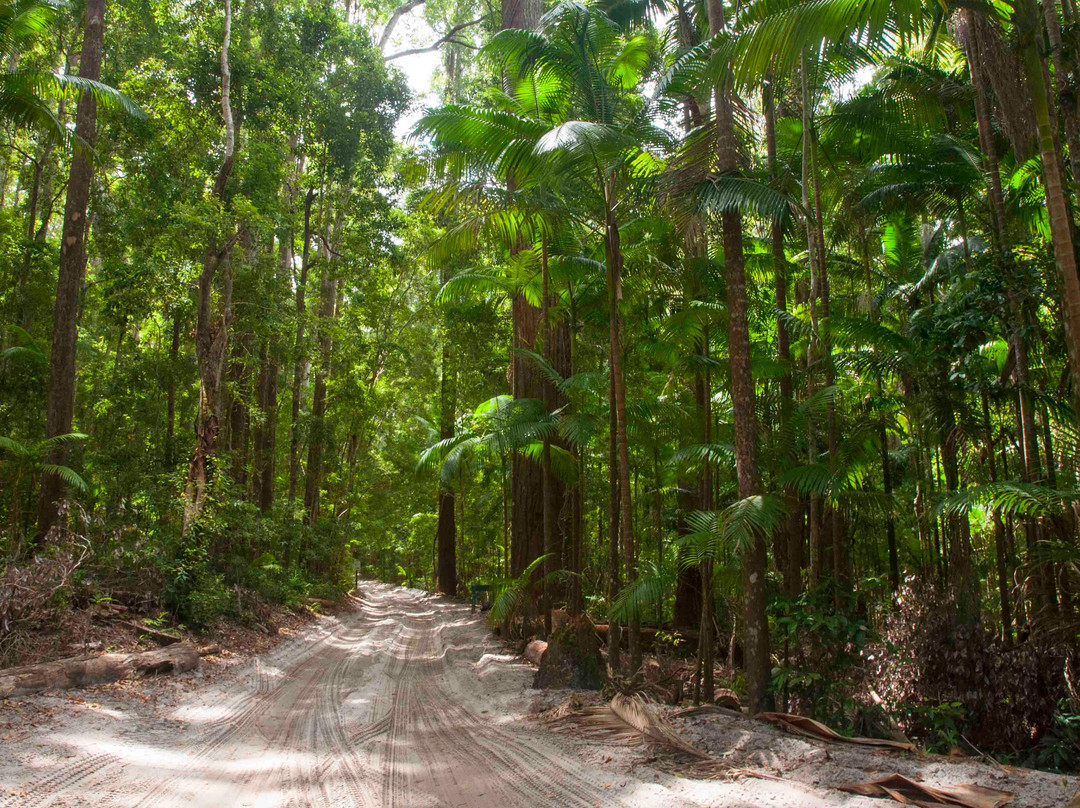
pixel 29 96
pixel 774 34
pixel 499 429
pixel 574 121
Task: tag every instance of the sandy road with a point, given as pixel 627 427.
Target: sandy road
pixel 409 702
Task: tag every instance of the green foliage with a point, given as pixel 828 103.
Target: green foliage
pixel 937 725
pixel 823 650
pixel 377 304
pixel 1059 749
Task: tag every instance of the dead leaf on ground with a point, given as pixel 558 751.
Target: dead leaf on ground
pixel 908 792
pixel 815 729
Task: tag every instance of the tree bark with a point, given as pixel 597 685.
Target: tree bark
pixel 265 439
pixel 320 432
pixel 791 536
pixel 961 579
pixel 1026 19
pixel 613 255
pixel 96 670
pixel 170 406
pixel 755 557
pixel 999 526
pixel 299 349
pixel 527 382
pixel 60 400
pixel 446 555
pixel 615 632
pixel 211 333
pixel 552 559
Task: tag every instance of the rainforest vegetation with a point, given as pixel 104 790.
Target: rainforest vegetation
pixel 751 329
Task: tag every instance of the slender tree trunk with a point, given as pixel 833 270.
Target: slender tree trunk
pixel 239 416
pixel 60 401
pixel 300 351
pixel 320 431
pixel 1015 321
pixel 792 533
pixel 266 433
pixel 577 595
pixel 890 522
pixel 959 529
pixel 527 477
pixel 446 530
pixel 755 557
pixel 211 333
pixel 1066 94
pixel 813 352
pixel 626 528
pixel 999 526
pixel 1026 19
pixel 551 560
pixel 614 630
pixel 170 407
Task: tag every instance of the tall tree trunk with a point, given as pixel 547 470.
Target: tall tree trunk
pixel 961 579
pixel 170 406
pixel 1066 93
pixel 211 333
pixel 60 401
pixel 320 431
pixel 613 255
pixel 999 526
pixel 791 535
pixel 1026 19
pixel 1015 321
pixel 688 590
pixel 239 417
pixel 813 352
pixel 755 557
pixel 266 432
pixel 614 630
pixel 446 555
pixel 552 559
pixel 527 381
pixel 300 353
pixel 890 521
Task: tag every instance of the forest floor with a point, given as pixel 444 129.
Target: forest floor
pixel 408 701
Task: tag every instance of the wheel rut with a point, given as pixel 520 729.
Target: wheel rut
pixel 382 710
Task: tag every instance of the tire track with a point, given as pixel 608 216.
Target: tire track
pixel 371 713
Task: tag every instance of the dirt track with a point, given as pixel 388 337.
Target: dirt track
pixel 409 702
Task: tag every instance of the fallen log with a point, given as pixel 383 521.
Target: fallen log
pixel 65 673
pixel 160 637
pixel 535 650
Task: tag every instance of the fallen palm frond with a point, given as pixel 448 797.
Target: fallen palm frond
pixel 629 720
pixel 709 709
pixel 594 721
pixel 908 792
pixel 633 711
pixel 802 725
